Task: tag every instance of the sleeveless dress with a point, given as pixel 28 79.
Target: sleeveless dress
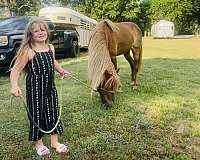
pixel 41 95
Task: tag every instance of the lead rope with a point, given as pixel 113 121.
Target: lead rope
pixel 85 84
pixel 78 80
pixel 60 110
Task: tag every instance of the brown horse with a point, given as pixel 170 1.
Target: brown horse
pixel 107 41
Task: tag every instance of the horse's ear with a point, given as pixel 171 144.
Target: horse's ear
pixel 107 74
pixel 117 70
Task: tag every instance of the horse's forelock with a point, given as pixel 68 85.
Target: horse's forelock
pixel 113 82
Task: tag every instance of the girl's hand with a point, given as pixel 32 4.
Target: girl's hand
pixel 64 73
pixel 16 91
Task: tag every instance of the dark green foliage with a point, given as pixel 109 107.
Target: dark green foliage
pixel 182 12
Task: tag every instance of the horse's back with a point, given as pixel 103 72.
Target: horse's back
pixel 129 35
pixel 119 37
pixel 131 25
pixel 131 30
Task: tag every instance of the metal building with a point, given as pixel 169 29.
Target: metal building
pixel 162 29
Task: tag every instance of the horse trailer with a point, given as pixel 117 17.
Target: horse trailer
pixel 67 16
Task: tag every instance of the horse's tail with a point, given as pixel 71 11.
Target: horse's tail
pixel 138 44
pixel 140 57
pixel 137 54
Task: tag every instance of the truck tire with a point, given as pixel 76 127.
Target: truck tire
pixel 74 50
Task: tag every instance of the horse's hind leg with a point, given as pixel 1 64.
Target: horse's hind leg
pixel 132 65
pixel 137 55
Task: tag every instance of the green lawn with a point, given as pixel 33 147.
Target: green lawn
pixel 158 121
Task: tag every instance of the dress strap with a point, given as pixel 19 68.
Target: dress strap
pixel 34 51
pixel 50 50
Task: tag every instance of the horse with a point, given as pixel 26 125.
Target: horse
pixel 107 41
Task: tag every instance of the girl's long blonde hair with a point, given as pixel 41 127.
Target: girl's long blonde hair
pixel 27 41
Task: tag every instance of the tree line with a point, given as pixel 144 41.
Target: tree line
pixel 185 14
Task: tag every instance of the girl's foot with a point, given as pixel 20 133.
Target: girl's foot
pixel 41 150
pixel 60 148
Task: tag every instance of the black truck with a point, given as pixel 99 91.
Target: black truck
pixel 64 37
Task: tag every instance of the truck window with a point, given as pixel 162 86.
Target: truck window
pixel 13 24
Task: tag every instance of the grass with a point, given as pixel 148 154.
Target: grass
pixel 158 121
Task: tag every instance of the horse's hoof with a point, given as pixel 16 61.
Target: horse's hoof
pixel 135 84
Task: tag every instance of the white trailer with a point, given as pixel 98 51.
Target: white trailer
pixel 82 23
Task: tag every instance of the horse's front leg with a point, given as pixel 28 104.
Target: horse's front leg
pixel 133 71
pixel 114 61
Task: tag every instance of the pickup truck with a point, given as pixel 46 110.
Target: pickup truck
pixel 64 38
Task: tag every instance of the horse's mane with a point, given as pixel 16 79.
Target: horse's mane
pixel 99 59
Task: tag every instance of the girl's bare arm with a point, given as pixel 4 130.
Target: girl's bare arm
pixel 19 65
pixel 57 66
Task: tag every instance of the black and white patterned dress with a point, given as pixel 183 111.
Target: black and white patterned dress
pixel 41 94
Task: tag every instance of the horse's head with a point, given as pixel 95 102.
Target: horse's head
pixel 108 87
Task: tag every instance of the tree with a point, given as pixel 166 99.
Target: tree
pixel 116 10
pixel 7 5
pixel 145 16
pixel 182 12
pixel 22 7
pixel 196 14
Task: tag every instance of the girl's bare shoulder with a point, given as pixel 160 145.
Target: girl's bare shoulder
pixel 30 53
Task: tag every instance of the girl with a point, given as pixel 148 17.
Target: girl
pixel 36 56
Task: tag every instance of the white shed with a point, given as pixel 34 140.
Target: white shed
pixel 162 29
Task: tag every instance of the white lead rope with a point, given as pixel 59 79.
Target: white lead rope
pixel 60 110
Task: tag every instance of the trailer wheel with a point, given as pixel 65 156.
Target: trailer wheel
pixel 74 50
